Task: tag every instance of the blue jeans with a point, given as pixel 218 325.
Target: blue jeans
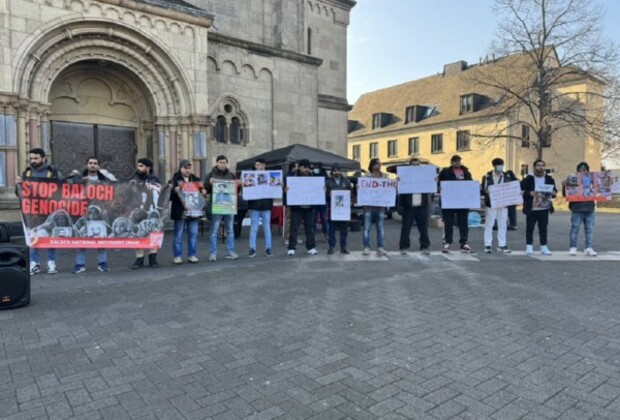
pixel 322 211
pixel 191 225
pixel 80 256
pixel 215 228
pixel 255 217
pixel 576 219
pixel 376 216
pixel 34 254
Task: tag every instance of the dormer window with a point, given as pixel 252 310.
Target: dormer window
pixel 410 114
pixel 467 104
pixel 380 120
pixel 416 113
pixel 376 121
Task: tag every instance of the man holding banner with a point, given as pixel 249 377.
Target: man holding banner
pixel 260 212
pixel 302 212
pixel 538 190
pixel 415 208
pixel 373 213
pixel 338 183
pixel 494 211
pixel 455 172
pixel 582 212
pixel 148 187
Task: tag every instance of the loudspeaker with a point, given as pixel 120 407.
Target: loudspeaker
pixel 14 276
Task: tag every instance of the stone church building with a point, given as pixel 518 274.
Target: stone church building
pixel 168 79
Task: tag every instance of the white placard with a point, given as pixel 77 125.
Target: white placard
pixel 340 209
pixel 305 190
pixel 615 182
pixel 417 179
pixel 546 188
pixel 376 192
pixel 505 194
pixel 460 194
pixel 261 184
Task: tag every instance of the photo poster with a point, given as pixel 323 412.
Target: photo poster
pixel 261 184
pixel 63 214
pixel 542 197
pixel 340 209
pixel 417 179
pixel 615 181
pixel 589 186
pixel 376 192
pixel 460 194
pixel 305 190
pixel 192 199
pixel 224 197
pixel 505 194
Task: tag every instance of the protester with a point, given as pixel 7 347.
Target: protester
pixel 183 222
pixel 299 213
pixel 415 208
pixel 221 172
pixel 92 175
pixel 260 212
pixel 455 172
pixel 537 206
pixel 150 188
pixel 512 210
pixel 374 214
pixel 492 215
pixel 320 210
pixel 292 170
pixel 337 182
pixel 582 212
pixel 40 168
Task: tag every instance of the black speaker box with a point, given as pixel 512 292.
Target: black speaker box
pixel 14 276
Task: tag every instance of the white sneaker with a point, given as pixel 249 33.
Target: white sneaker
pixel 573 251
pixel 381 252
pixel 366 251
pixel 51 267
pixel 193 259
pixel 529 249
pixel 590 252
pixel 544 250
pixel 178 260
pixel 290 253
pixel 231 256
pixel 34 268
pixel 212 257
pixel 313 251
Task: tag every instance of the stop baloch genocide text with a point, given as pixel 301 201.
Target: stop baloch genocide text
pixel 47 197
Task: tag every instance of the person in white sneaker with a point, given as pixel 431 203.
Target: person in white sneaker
pixel 491 214
pixel 374 214
pixel 40 168
pixel 299 214
pixel 582 212
pixel 538 190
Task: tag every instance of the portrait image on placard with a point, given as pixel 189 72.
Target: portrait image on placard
pixel 192 199
pixel 258 185
pixel 340 209
pixel 224 198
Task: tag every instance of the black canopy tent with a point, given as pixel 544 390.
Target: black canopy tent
pixel 289 154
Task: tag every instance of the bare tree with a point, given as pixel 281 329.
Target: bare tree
pixel 548 48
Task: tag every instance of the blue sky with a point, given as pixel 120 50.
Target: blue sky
pixel 395 41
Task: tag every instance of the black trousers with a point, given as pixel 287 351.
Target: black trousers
pixel 297 215
pixel 449 217
pixel 418 214
pixel 512 216
pixel 531 219
pixel 338 226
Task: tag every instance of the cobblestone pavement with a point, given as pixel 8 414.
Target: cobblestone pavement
pixel 397 337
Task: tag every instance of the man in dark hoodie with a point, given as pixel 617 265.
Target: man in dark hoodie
pixel 220 172
pixel 415 207
pixel 582 212
pixel 182 222
pixel 337 182
pixel 455 172
pixel 40 168
pixel 299 213
pixel 92 175
pixel 537 212
pixel 320 210
pixel 150 186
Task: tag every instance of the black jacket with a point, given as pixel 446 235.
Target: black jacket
pixel 527 186
pixel 447 174
pixel 342 184
pixel 217 174
pixel 177 208
pixel 488 180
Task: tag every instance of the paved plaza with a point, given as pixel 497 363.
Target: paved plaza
pixel 398 337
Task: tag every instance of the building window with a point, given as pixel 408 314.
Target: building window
pixel 437 143
pixel 525 169
pixel 462 140
pixel 231 124
pixel 220 129
pixel 525 135
pixel 467 104
pixel 373 150
pixel 309 41
pixel 410 114
pixel 356 152
pixel 546 140
pixel 8 150
pixel 235 131
pixel 392 148
pixel 414 146
pixel 376 121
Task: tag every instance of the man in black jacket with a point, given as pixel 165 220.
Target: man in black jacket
pixel 337 182
pixel 537 205
pixel 301 213
pixel 260 211
pixel 415 208
pixel 148 186
pixel 455 172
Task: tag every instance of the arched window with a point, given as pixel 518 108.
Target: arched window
pixel 220 129
pixel 235 131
